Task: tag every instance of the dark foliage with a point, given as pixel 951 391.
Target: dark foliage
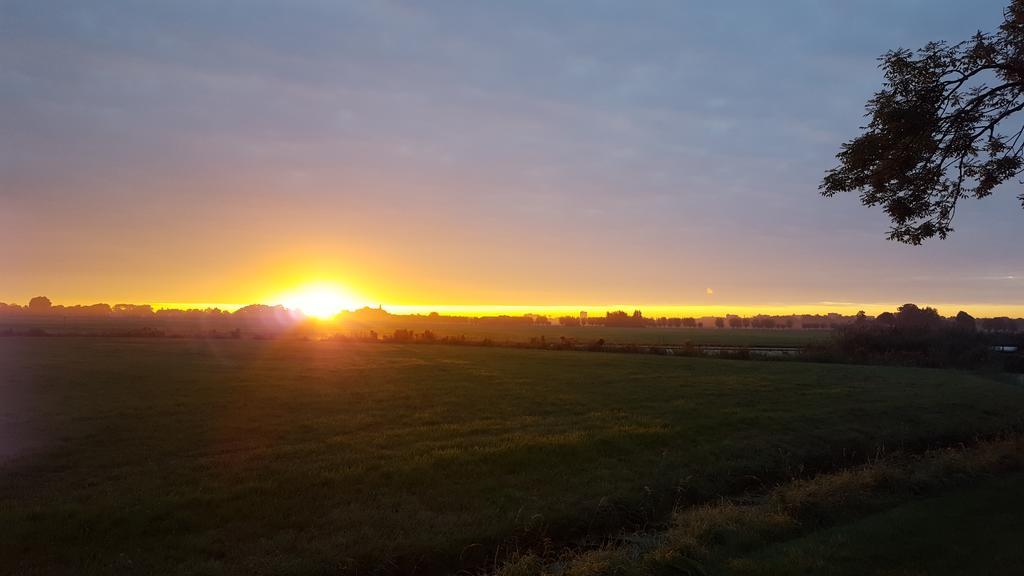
pixel 622 319
pixel 39 304
pixel 942 129
pixel 914 336
pixel 1000 324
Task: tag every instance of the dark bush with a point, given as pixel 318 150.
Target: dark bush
pixel 930 345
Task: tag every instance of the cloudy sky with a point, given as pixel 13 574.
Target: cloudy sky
pixel 529 153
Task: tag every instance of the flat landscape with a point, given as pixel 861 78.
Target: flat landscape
pixel 470 330
pixel 575 288
pixel 611 334
pixel 182 456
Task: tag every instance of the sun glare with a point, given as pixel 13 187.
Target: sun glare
pixel 319 301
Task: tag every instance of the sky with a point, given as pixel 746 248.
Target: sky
pixel 428 154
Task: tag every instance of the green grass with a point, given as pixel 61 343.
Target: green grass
pixel 242 457
pixel 616 335
pixel 953 510
pixel 972 531
pixel 497 333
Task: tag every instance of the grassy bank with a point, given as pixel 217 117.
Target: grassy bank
pixel 968 531
pixel 949 511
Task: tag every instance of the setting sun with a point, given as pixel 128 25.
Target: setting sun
pixel 512 287
pixel 321 301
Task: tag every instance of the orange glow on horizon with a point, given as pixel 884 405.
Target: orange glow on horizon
pixel 670 310
pixel 321 282
pixel 330 300
pixel 322 300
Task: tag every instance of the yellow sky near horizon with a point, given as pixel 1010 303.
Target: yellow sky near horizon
pixel 352 146
pixel 289 283
pixel 368 283
pixel 653 310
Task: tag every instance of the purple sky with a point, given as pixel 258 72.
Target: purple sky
pixel 520 153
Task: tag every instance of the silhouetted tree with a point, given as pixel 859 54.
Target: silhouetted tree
pixel 250 310
pixel 915 336
pixel 911 317
pixel 402 335
pixel 936 133
pixel 965 321
pixel 886 319
pixel 40 304
pixel 999 324
pixel 138 309
pixel 621 318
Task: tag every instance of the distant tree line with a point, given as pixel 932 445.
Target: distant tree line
pixel 42 306
pixel 919 336
pixel 912 335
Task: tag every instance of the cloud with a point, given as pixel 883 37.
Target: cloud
pixel 674 124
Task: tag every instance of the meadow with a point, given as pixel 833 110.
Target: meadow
pixel 497 333
pixel 610 334
pixel 187 456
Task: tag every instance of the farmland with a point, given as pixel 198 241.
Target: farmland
pixel 617 335
pixel 497 333
pixel 244 456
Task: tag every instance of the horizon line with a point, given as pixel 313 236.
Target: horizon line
pixel 651 310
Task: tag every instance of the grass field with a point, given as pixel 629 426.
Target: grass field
pixel 497 333
pixel 241 456
pixel 617 335
pixel 971 531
